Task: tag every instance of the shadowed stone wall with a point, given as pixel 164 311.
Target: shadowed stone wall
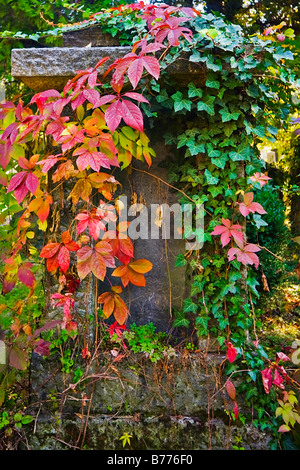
pixel 45 68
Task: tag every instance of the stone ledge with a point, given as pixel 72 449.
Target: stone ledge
pixel 45 68
pixel 154 433
pixel 41 69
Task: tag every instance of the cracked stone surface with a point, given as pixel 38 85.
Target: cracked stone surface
pixel 45 68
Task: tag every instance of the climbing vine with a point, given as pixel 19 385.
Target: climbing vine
pixel 238 91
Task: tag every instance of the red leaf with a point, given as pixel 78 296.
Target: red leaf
pixel 49 162
pixel 236 410
pixel 135 71
pixel 244 254
pixel 16 180
pixel 260 178
pixel 113 115
pixel 25 275
pixel 44 95
pixel 42 347
pixel 227 230
pixel 136 96
pixel 49 250
pixel 278 379
pixel 21 191
pixel 267 379
pixel 94 159
pixel 72 246
pixel 105 99
pixel 92 96
pixel 132 115
pixel 32 182
pixel 63 258
pixel 8 285
pixel 57 254
pixel 248 205
pixel 231 352
pixel 151 64
pixel 122 247
pixel 231 389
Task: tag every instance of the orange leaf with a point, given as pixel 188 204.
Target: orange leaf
pixel 120 310
pixel 82 189
pixel 133 272
pixel 113 304
pixel 65 237
pixel 135 278
pixel 98 266
pixel 122 272
pixel 109 306
pixel 65 170
pixel 48 251
pixel 116 289
pixel 95 260
pixel 104 297
pixel 41 205
pixel 141 265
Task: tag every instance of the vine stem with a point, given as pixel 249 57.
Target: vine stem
pixel 271 253
pixel 253 315
pixel 169 274
pixel 167 184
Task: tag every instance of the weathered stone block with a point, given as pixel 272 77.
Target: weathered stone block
pixel 170 405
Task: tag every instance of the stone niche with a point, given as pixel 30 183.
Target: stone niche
pixel 44 68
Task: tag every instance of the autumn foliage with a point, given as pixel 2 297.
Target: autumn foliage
pixel 93 128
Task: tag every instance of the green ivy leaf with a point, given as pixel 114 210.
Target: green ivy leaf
pixel 210 179
pixel 220 162
pixel 180 103
pixel 241 154
pixel 181 260
pixel 189 306
pixel 193 91
pixel 207 105
pixel 202 321
pixel 258 221
pixel 210 83
pixel 228 116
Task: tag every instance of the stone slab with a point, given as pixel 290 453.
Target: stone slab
pixel 163 406
pixel 44 68
pixel 91 36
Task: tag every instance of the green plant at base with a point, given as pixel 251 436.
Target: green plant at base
pixel 125 438
pixel 144 339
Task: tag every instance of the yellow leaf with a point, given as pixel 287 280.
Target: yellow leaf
pixel 42 225
pixel 30 235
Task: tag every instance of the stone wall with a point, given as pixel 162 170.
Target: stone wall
pixel 174 404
